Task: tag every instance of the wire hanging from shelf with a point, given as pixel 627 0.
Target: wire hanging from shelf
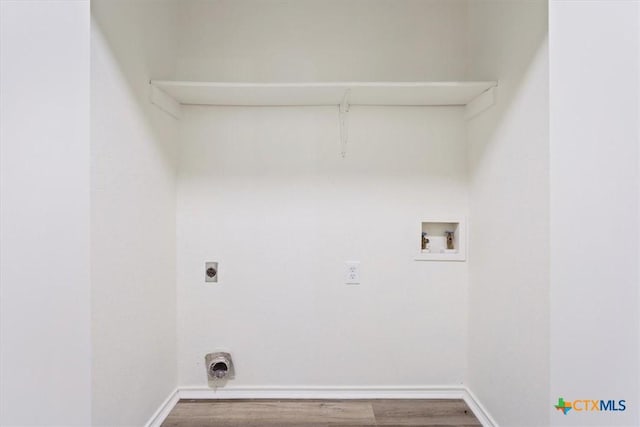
pixel 343 110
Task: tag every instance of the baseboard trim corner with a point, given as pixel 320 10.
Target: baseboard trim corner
pixel 478 409
pixel 163 411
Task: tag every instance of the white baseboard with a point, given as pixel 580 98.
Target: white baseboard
pixel 259 392
pixel 162 412
pixel 382 392
pixel 478 409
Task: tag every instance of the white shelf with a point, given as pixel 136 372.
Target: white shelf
pixel 319 94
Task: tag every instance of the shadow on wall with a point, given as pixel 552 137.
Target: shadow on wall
pixel 133 152
pixel 506 40
pixel 509 213
pixel 140 38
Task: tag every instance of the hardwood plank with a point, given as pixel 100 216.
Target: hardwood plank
pixel 266 413
pixel 321 413
pixel 423 412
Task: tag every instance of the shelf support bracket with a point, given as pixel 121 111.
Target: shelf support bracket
pixel 164 101
pixel 480 103
pixel 343 111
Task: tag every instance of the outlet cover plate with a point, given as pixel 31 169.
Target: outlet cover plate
pixel 352 272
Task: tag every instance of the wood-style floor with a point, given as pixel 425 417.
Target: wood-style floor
pixel 321 413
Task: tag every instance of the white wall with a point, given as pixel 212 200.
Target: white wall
pixel 327 40
pixel 45 351
pixel 265 192
pixel 132 212
pixel 594 180
pixel 509 221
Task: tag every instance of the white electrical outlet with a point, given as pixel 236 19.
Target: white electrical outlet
pixel 352 273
